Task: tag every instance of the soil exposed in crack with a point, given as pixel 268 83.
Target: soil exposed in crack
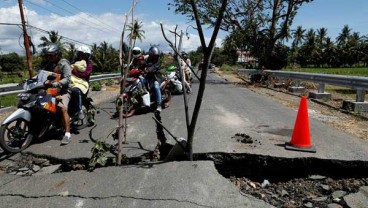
pixel 315 191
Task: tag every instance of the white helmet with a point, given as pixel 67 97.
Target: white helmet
pixel 84 49
pixel 136 51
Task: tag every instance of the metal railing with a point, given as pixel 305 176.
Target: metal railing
pixel 15 88
pixel 354 82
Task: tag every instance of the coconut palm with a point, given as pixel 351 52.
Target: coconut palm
pixel 71 52
pixel 321 35
pixel 136 31
pixel 105 58
pixel 298 36
pixel 344 35
pixel 53 37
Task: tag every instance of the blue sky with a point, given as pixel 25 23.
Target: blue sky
pixel 109 16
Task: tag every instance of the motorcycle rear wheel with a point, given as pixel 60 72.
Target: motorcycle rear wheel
pixel 15 136
pixel 81 123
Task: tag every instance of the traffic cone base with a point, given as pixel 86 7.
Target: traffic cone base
pixel 312 148
pixel 301 139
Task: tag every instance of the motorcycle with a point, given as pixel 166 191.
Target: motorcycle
pixel 175 85
pixel 37 114
pixel 136 97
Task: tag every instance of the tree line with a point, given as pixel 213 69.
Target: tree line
pixel 105 57
pixel 263 27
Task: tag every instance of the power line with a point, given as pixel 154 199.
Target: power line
pixel 66 38
pixel 90 16
pixel 44 31
pixel 73 13
pixel 61 15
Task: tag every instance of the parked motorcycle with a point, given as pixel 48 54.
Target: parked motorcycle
pixel 135 95
pixel 37 114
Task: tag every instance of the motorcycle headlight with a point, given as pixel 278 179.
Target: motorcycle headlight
pixel 24 96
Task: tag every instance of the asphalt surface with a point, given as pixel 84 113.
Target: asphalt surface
pixel 226 110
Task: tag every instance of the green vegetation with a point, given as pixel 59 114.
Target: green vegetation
pixel 11 79
pixel 338 71
pixel 109 82
pixel 228 68
pixel 95 86
pixel 8 100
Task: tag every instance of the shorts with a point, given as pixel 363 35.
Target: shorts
pixel 65 101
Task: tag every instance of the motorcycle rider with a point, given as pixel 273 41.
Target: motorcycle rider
pixel 185 67
pixel 138 62
pixel 153 75
pixel 55 63
pixel 81 72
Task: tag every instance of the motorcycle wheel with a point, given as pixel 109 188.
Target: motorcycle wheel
pixel 15 136
pixel 166 103
pixel 128 107
pixel 80 123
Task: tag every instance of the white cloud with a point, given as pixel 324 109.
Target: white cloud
pixel 83 28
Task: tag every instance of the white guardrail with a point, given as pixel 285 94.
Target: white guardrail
pixel 353 82
pixel 9 89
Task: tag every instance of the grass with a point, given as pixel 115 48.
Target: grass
pixel 10 79
pixel 8 100
pixel 229 69
pixel 337 71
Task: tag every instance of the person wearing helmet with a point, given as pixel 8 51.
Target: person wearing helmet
pixel 136 52
pixel 139 63
pixel 153 74
pixel 186 64
pixel 81 72
pixel 55 63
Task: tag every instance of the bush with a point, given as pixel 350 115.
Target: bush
pixel 96 86
pixel 110 82
pixel 227 68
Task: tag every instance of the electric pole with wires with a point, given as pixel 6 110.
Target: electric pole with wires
pixel 26 39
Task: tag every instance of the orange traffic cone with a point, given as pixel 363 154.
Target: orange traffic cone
pixel 300 140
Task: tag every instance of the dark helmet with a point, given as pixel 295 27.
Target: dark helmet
pixel 52 49
pixel 184 55
pixel 154 51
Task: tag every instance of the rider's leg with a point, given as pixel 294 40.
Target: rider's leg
pixel 76 99
pixel 66 119
pixel 158 97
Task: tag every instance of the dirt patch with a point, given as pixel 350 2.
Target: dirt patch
pixel 315 191
pixel 243 138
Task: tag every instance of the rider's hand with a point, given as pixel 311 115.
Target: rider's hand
pixel 56 84
pixel 47 83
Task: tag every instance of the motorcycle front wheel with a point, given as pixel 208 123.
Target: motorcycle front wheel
pixel 15 136
pixel 167 101
pixel 128 107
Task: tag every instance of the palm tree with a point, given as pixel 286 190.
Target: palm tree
pixel 54 37
pixel 105 58
pixel 321 35
pixel 344 35
pixel 136 31
pixel 298 36
pixel 71 52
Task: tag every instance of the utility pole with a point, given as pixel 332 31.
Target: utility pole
pixel 26 40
